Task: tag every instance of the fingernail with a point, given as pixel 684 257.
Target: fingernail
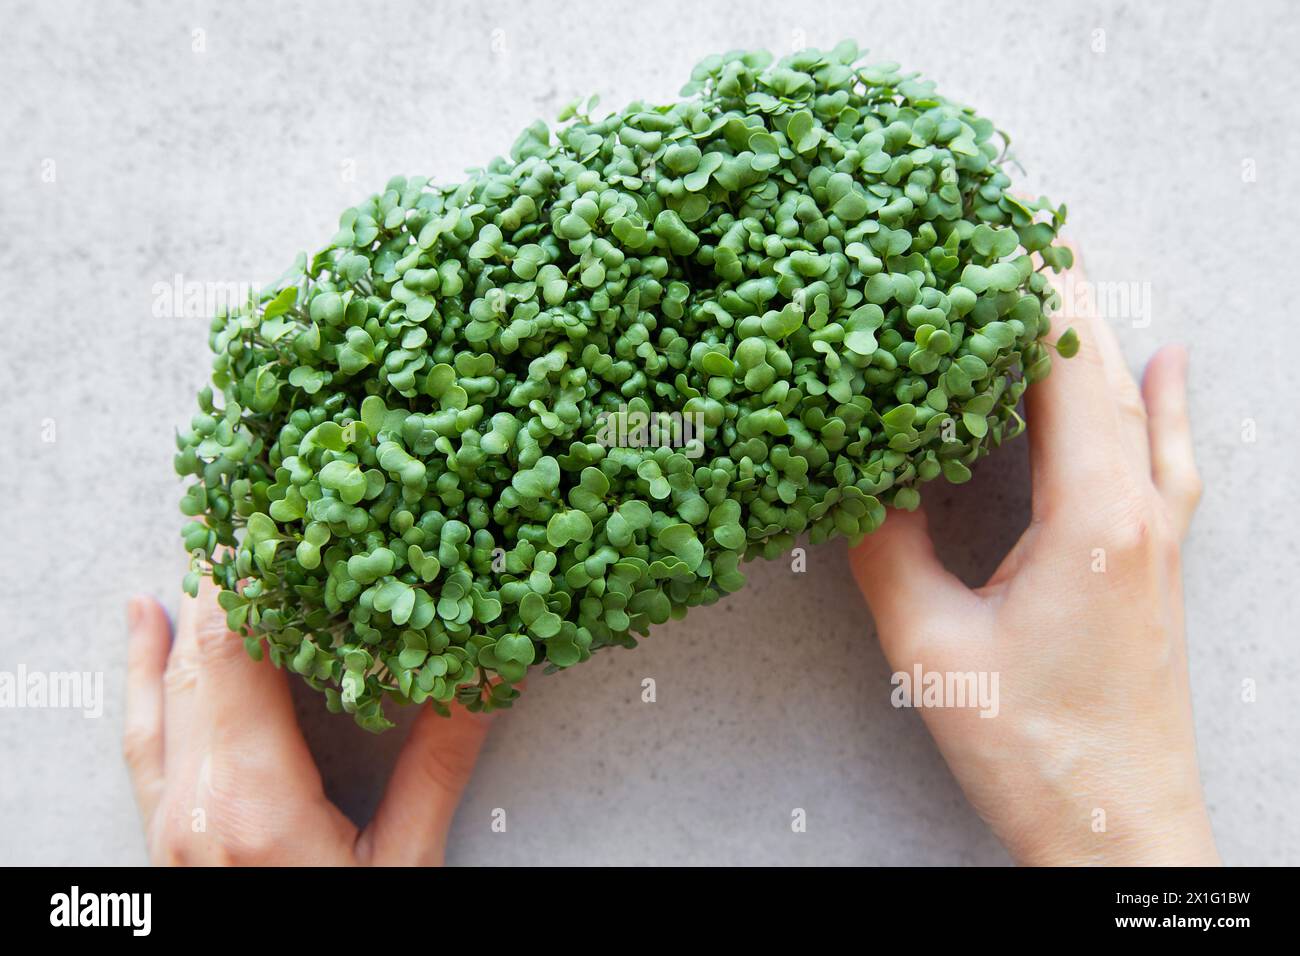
pixel 134 612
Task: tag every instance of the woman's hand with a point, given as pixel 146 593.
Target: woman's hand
pixel 1091 757
pixel 223 776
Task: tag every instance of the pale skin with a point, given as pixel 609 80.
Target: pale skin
pixel 211 737
pixel 1095 708
pixel 1094 704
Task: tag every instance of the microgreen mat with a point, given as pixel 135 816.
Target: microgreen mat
pixel 812 272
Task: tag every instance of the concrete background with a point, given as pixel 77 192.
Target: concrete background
pixel 1172 134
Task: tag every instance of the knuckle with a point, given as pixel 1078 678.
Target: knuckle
pixel 1127 530
pixel 1132 408
pixel 213 639
pixel 1113 516
pixel 173 839
pixel 170 852
pixel 447 768
pixel 181 674
pixel 246 832
pixel 224 831
pixel 137 743
pixel 138 666
pixel 1129 534
pixel 245 846
pixel 242 767
pixel 246 827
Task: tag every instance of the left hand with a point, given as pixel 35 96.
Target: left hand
pixel 223 776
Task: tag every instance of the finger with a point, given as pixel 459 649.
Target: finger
pixel 1173 461
pixel 903 579
pixel 410 826
pixel 1076 449
pixel 180 683
pixel 142 736
pixel 1124 393
pixel 237 698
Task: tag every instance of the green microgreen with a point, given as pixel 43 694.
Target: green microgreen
pixel 404 491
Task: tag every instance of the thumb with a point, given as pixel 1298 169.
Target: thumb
pixel 904 582
pixel 410 826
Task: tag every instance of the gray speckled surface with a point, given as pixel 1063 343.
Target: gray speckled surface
pixel 220 165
